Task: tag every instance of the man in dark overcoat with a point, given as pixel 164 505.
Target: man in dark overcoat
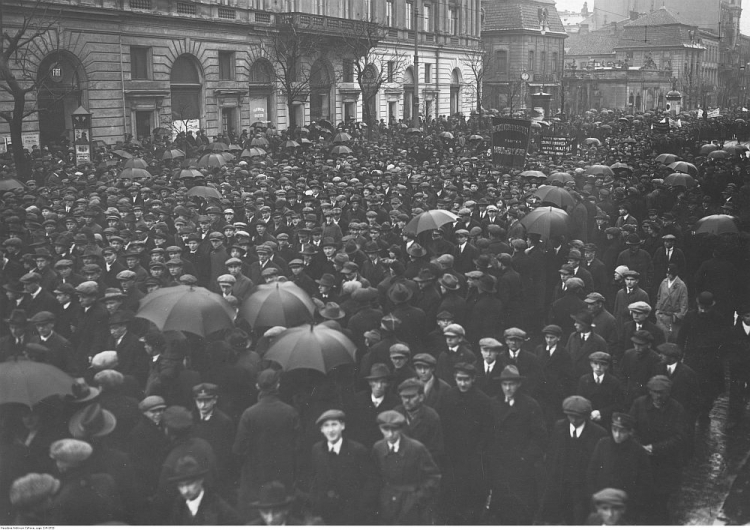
pixel 601 388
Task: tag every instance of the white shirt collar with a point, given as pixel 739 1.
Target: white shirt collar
pixel 336 448
pixel 746 328
pixel 577 430
pixel 377 401
pixel 671 368
pixel 195 504
pixel 510 402
pixel 394 447
pixel 585 335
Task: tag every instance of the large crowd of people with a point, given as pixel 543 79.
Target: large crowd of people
pixel 502 374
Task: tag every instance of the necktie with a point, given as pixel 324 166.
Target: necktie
pixel 332 452
pixel 574 434
pixel 598 380
pixel 391 449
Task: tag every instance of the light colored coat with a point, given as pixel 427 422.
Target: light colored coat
pixel 671 306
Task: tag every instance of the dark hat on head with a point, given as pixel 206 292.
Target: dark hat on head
pixel 177 418
pixel 151 403
pixel 631 274
pixel 610 496
pixel 633 239
pixel 417 251
pixel 188 468
pixel 378 371
pixel 670 350
pixel 577 405
pixel 706 299
pixel 552 329
pixel 594 297
pixel 642 336
pixel 392 419
pixel 42 317
pixel 449 281
pixel 205 391
pixel 332 311
pixel 583 317
pixel 510 373
pixel 424 358
pixel 411 384
pixel 659 383
pixel 327 280
pixel 622 420
pixel 600 357
pixel 399 293
pixel 272 495
pixel 92 422
pixel 17 317
pixel 467 368
pixel 268 379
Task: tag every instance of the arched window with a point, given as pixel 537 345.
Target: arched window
pixel 185 83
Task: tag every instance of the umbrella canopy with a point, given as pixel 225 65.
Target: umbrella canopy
pixel 667 158
pixel 532 173
pixel 136 162
pixel 290 144
pixel 217 147
pixel 600 170
pixel 446 135
pixel 708 148
pixel 476 138
pixel 547 221
pixel 735 150
pixel 325 123
pixel 206 192
pixel 430 220
pixel 684 167
pixel 719 154
pixel 341 150
pixel 121 153
pixel 628 141
pixel 253 151
pixel 413 130
pixel 621 166
pixel 311 347
pixel 716 224
pixel 555 195
pixel 278 304
pixel 10 184
pixel 189 173
pixel 234 147
pixel 187 308
pixel 172 153
pixel 134 173
pixel 28 382
pixel 680 179
pixel 593 141
pixel 259 141
pixel 342 138
pixel 260 124
pixel 561 176
pixel 212 160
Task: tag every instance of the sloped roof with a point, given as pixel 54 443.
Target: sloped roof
pixel 587 44
pixel 650 37
pixel 660 17
pixel 519 15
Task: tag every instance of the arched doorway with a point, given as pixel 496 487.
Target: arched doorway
pixel 186 89
pixel 408 92
pixel 455 91
pixel 63 88
pixel 261 91
pixel 321 87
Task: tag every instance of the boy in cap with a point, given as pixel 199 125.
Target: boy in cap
pixel 571 445
pixel 601 388
pixel 638 365
pixel 661 428
pixel 490 369
pixel 410 476
pixel 217 428
pixel 92 328
pixel 629 294
pixel 344 482
pixel 639 319
pixel 434 388
pixel 400 355
pixel 610 507
pixel 60 349
pixel 557 376
pixel 525 361
pixel 147 443
pixel 456 350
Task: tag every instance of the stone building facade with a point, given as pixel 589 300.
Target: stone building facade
pixel 139 65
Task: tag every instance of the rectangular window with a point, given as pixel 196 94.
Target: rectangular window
pixel 454 21
pixel 427 73
pixel 391 71
pixel 345 9
pixel 530 66
pixel 426 12
pixel 389 13
pixel 226 66
pixel 348 67
pixel 409 16
pixel 139 59
pixel 554 62
pixel 501 62
pixel 543 61
pixel 367 10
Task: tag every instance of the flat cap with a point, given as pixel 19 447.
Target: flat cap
pixel 177 418
pixel 670 349
pixel 639 307
pixel 610 496
pixel 104 360
pixel 631 274
pixel 411 384
pixel 623 420
pixel 659 383
pixel 42 317
pixel 594 297
pixel 514 333
pixel 424 358
pixel 87 288
pixel 600 357
pixel 399 349
pixel 467 368
pixel 392 419
pixel 577 405
pixel 226 278
pixel 330 415
pixel 31 277
pixel 126 275
pixel 70 451
pixel 454 330
pixel 490 342
pixel 552 329
pixel 233 261
pixel 642 336
pixel 574 284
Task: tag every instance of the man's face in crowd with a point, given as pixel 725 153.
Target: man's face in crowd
pixel 412 399
pixel 378 387
pixel 631 283
pixel 510 388
pixel 464 381
pixel 551 340
pixel 332 430
pixel 489 354
pixel 621 434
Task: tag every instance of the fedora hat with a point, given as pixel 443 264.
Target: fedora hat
pixel 378 371
pixel 327 280
pixel 332 311
pixel 399 293
pixel 417 251
pixel 82 392
pixel 450 282
pixel 17 318
pixel 92 421
pixel 272 495
pixel 510 373
pixel 188 468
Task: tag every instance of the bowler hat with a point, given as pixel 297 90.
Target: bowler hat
pixel 399 293
pixel 327 280
pixel 187 468
pixel 272 495
pixel 17 318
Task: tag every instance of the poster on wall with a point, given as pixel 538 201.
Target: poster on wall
pixel 510 141
pixel 30 140
pixel 83 153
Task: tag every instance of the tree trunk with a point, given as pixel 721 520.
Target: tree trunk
pixel 16 133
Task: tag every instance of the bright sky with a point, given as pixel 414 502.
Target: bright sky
pixel 576 5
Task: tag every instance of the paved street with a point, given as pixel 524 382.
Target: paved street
pixel 717 482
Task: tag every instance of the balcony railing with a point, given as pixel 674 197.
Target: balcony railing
pixel 326 25
pixel 545 78
pixel 140 4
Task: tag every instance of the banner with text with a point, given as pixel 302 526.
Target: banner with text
pixel 556 145
pixel 510 141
